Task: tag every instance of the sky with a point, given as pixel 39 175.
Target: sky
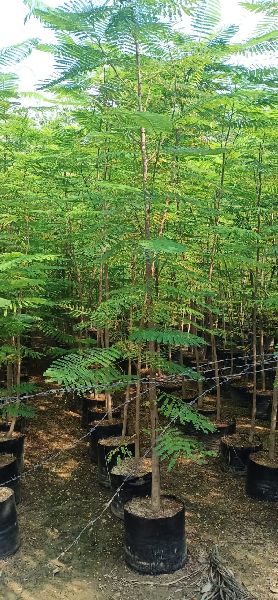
pixel 38 66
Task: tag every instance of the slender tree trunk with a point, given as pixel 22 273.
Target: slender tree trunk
pixel 200 382
pixel 254 356
pixel 217 382
pixel 254 281
pixel 100 294
pixel 10 376
pixel 127 398
pixel 149 291
pixel 137 407
pixel 262 359
pixel 272 435
pixel 18 378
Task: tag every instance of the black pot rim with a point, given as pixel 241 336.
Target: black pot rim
pixel 237 446
pixel 20 435
pixel 154 517
pixel 252 458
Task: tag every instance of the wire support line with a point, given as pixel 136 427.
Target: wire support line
pixel 64 450
pixel 242 357
pixel 108 504
pixel 127 402
pixel 57 454
pixel 87 389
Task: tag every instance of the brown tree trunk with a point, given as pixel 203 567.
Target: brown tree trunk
pixel 272 435
pixel 149 290
pixel 262 360
pixel 254 356
pixel 18 378
pixel 127 397
pixel 137 408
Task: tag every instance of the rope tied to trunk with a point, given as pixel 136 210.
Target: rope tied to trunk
pixel 222 584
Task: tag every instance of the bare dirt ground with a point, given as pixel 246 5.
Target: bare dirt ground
pixel 62 496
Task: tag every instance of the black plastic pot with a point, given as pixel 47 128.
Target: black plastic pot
pixel 131 487
pixel 108 454
pixel 240 395
pixel 9 533
pixel 72 401
pixel 223 428
pixel 9 475
pixel 15 446
pixel 97 414
pixel 156 544
pixel 168 386
pixel 212 438
pixel 103 430
pixel 89 403
pixel 263 406
pixel 262 480
pixel 207 411
pixel 236 456
pixel 189 399
pixel 20 425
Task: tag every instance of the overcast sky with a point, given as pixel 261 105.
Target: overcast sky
pixel 39 66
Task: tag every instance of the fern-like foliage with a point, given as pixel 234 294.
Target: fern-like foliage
pixel 172 446
pixel 23 389
pixel 16 53
pixel 172 368
pixel 164 245
pixel 206 18
pixel 92 368
pixel 11 411
pixel 175 409
pixel 167 336
pixel 268 7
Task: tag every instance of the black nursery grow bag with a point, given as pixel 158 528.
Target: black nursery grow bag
pixel 9 533
pixel 15 446
pixel 108 452
pixel 236 456
pixel 262 479
pixel 130 487
pixel 263 406
pixel 98 414
pixel 155 544
pixel 101 431
pixel 9 474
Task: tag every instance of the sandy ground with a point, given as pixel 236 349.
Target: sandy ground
pixel 62 496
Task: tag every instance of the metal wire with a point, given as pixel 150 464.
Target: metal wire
pixel 13 399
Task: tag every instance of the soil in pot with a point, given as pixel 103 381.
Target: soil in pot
pixel 110 452
pixel 101 430
pixel 13 445
pixel 97 414
pixel 9 533
pixel 207 411
pixel 235 450
pixel 262 477
pixel 134 478
pixel 155 541
pixel 9 475
pixel 90 403
pixel 212 438
pixel 170 386
pixel 188 396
